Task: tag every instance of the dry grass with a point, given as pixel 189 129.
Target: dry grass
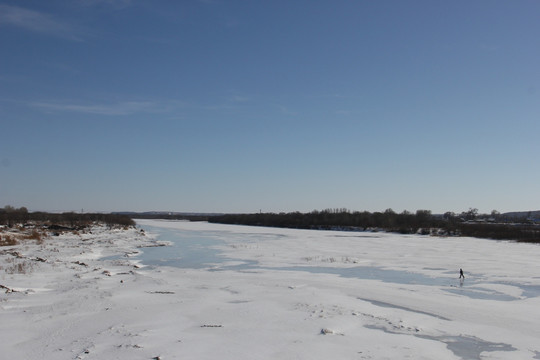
pixel 8 240
pixel 36 235
pixel 18 236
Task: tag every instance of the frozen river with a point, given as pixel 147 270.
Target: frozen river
pixel 405 286
pixel 204 250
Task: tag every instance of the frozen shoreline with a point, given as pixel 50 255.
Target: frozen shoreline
pixel 75 306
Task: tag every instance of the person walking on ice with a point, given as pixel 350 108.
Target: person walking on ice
pixel 461 276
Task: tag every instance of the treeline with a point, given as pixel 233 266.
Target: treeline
pixel 468 223
pixel 10 216
pixel 405 223
pixel 168 216
pixel 522 232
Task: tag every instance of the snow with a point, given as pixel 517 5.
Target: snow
pixel 273 294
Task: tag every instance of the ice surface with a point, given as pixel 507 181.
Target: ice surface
pixel 235 292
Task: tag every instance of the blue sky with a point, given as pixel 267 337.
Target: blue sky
pixel 241 106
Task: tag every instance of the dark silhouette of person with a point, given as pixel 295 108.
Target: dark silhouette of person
pixel 461 276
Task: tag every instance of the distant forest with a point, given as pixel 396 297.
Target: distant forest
pixel 520 227
pixel 10 216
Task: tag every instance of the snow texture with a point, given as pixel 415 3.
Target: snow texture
pixel 269 294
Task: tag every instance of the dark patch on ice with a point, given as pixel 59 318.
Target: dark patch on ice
pixel 358 236
pixel 469 347
pixel 229 290
pixel 482 293
pixel 465 347
pixel 373 273
pixel 257 236
pixel 389 305
pixel 537 356
pixel 529 291
pixel 472 347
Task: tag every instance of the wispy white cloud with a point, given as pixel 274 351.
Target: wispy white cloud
pixel 120 108
pixel 36 22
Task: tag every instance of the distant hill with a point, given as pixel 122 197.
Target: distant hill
pixel 172 215
pixel 523 214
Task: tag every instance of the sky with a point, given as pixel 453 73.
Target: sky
pixel 272 106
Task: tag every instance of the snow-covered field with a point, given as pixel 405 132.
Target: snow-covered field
pixel 272 294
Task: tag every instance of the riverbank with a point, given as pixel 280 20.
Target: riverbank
pixel 60 300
